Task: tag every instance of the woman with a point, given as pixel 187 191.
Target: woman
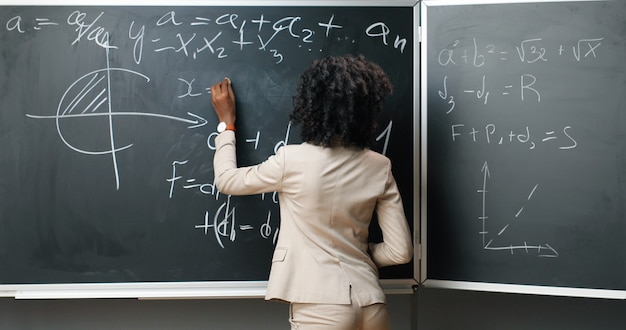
pixel 329 187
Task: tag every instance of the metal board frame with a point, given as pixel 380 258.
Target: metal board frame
pixel 226 289
pixel 463 285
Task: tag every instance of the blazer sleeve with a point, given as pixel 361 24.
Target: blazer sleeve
pixel 396 247
pixel 231 180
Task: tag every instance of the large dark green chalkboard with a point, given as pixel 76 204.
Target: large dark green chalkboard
pixel 526 143
pixel 106 133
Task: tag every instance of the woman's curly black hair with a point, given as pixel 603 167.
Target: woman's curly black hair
pixel 339 97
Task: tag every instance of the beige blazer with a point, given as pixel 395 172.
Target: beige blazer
pixel 327 197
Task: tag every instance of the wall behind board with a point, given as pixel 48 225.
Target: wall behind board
pixel 526 160
pixel 437 309
pixel 107 133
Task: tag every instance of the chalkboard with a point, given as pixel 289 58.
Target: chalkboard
pixel 107 133
pixel 525 127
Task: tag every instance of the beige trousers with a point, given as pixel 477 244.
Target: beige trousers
pixel 339 317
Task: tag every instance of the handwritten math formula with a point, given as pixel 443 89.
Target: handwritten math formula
pixel 208 39
pixel 504 76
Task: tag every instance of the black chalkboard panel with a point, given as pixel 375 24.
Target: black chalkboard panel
pixel 107 133
pixel 526 143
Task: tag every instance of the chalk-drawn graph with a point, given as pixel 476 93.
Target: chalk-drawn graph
pixel 91 96
pixel 494 242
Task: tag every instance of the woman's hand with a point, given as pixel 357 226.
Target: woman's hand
pixel 223 99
